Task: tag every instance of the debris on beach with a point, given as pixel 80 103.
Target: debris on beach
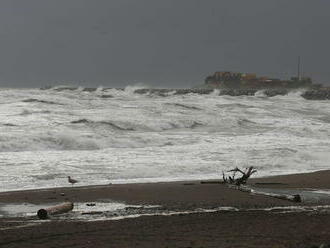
pixel 245 175
pixel 241 180
pixel 91 204
pixel 58 209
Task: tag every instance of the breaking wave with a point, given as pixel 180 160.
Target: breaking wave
pixel 181 134
pixel 43 142
pixel 107 123
pixel 30 112
pixel 184 106
pixel 73 141
pixel 32 100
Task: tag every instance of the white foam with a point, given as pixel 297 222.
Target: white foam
pixel 137 138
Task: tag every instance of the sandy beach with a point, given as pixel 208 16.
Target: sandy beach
pixel 250 225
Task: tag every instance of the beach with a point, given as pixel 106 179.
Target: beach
pixel 190 214
pixel 188 124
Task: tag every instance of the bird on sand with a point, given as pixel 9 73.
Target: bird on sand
pixel 71 180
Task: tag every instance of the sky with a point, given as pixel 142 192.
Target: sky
pixel 159 43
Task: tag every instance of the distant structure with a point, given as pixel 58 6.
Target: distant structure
pixel 227 79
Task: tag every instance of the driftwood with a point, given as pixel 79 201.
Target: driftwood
pixel 92 213
pixel 245 175
pixel 293 198
pixel 212 182
pixel 59 209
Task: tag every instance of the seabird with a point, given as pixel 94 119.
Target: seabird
pixel 71 180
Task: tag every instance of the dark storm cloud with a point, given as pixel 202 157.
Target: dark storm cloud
pixel 168 43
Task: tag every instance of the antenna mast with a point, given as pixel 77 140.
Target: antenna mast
pixel 298 76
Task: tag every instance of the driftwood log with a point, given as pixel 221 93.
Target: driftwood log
pixel 58 209
pixel 245 175
pixel 293 198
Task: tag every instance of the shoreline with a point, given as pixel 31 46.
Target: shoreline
pixel 294 180
pixel 184 195
pixel 252 226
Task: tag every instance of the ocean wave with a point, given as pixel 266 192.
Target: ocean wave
pixel 234 105
pixel 106 96
pixel 33 100
pixel 41 142
pixel 132 88
pixel 260 93
pixel 147 126
pixel 75 141
pixel 196 124
pixel 183 106
pixel 296 94
pixel 30 112
pixel 245 122
pixel 8 124
pixel 188 135
pixel 107 123
pixel 180 125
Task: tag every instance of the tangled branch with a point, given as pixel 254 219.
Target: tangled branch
pixel 245 175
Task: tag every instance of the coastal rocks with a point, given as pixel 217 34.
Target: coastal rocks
pixel 201 91
pixel 238 92
pixel 193 91
pixel 276 92
pixel 309 94
pixel 321 94
pixel 165 92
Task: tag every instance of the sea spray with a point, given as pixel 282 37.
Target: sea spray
pixel 130 137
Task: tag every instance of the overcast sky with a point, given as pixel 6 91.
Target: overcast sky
pixel 161 43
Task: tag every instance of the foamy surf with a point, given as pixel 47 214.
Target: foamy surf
pixel 106 136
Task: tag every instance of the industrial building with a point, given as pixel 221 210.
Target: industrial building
pixel 227 79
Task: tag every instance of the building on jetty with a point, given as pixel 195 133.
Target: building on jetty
pixel 227 79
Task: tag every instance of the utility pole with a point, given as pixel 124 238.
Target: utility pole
pixel 298 74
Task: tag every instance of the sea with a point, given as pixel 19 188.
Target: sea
pixel 110 136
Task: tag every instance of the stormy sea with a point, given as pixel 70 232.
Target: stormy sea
pixel 120 136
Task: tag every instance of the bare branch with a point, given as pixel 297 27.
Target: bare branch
pixel 243 179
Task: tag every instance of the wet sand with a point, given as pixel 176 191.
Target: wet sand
pixel 244 228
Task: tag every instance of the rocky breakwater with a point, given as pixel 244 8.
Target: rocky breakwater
pixel 229 92
pixel 311 94
pixel 166 92
pixel 320 94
